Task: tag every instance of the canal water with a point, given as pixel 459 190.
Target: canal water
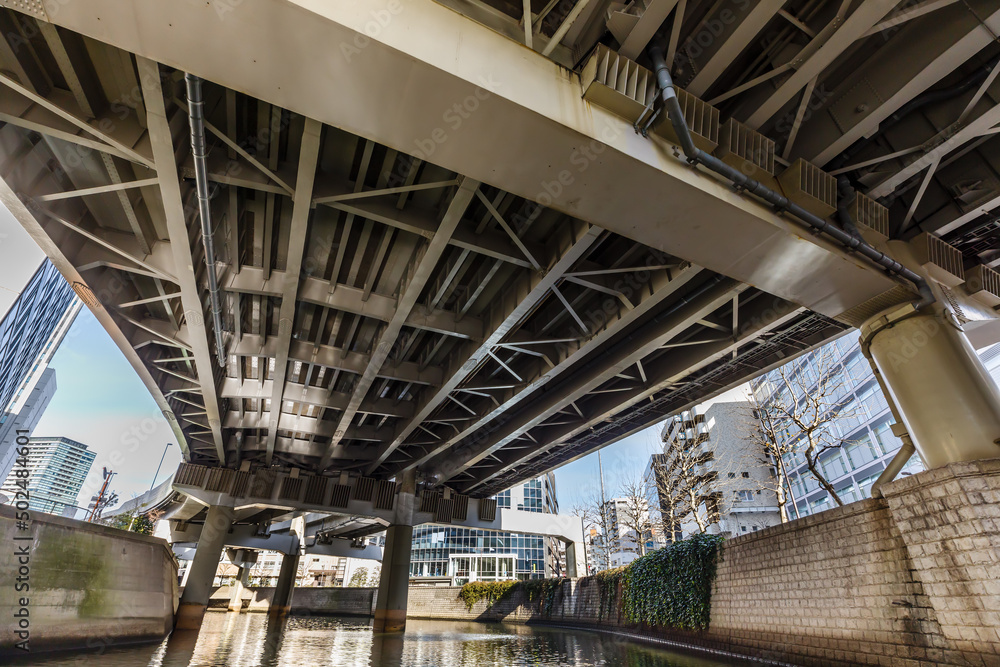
pixel 251 640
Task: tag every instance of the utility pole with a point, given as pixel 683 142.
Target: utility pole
pixel 604 527
pixel 99 498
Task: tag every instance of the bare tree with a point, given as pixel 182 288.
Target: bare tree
pixel 685 486
pixel 359 579
pixel 634 514
pixel 699 478
pixel 799 416
pixel 763 429
pixel 596 517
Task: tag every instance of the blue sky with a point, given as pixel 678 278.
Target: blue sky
pixel 100 402
pixel 578 482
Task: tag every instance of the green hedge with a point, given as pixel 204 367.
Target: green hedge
pixel 670 587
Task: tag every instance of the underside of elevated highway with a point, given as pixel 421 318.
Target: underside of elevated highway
pixel 377 258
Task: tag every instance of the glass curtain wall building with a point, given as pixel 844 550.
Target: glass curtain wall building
pixel 27 326
pixel 32 396
pixel 58 468
pixel 489 555
pixel 869 444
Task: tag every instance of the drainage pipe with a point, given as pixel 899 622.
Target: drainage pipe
pixel 196 118
pixel 906 451
pixel 779 202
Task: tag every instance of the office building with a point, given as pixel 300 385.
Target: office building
pixel 468 554
pixel 28 325
pixel 32 395
pixel 734 488
pixel 57 469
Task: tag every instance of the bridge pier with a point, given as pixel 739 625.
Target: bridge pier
pixel 946 398
pixel 393 587
pixel 236 598
pixel 194 600
pixel 282 600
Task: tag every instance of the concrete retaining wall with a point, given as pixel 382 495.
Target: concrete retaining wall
pixel 305 600
pixel 88 585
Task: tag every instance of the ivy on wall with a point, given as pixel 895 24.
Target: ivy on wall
pixel 609 584
pixel 544 591
pixel 541 591
pixel 670 587
pixel 491 591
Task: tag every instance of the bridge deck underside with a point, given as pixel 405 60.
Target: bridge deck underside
pixel 380 312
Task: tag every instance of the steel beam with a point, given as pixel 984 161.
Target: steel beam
pixel 318 396
pixel 661 291
pixel 534 287
pixel 911 61
pixel 252 345
pixel 429 259
pixel 661 373
pixel 114 137
pixel 592 375
pixel 517 92
pixel 844 34
pixel 251 280
pixel 301 204
pixel 652 17
pixel 170 192
pixel 951 142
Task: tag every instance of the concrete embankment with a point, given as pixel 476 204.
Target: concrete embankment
pixel 72 584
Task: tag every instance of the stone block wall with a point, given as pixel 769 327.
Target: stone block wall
pixel 838 585
pixel 89 585
pixel 950 522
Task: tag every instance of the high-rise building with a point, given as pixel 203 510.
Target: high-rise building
pixel 34 392
pixel 467 554
pixel 991 359
pixel 57 469
pixel 734 487
pixel 23 417
pixel 28 325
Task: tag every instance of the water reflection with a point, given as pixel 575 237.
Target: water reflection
pixel 254 640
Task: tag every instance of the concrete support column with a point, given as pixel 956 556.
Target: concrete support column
pixel 236 595
pixel 198 589
pixel 281 603
pixel 390 605
pixel 576 560
pixel 282 600
pixel 948 402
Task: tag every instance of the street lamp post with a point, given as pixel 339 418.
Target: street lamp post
pixel 157 473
